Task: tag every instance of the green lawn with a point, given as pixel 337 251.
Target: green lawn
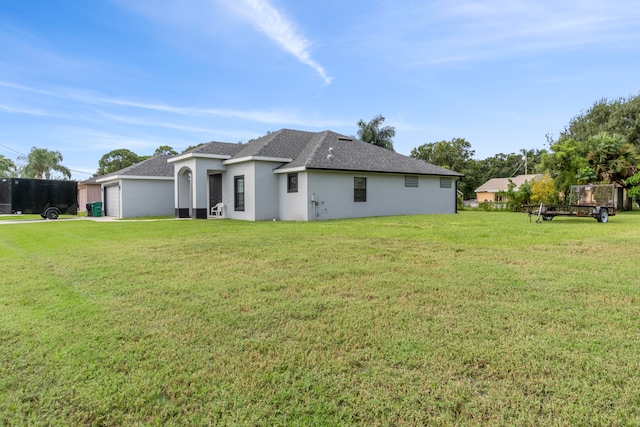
pixel 469 319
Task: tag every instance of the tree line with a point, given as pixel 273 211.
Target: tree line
pixel 599 146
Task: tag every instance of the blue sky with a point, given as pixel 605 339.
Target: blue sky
pixel 88 77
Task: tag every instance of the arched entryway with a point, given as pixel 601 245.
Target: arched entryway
pixel 185 193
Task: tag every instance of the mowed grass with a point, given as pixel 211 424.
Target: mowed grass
pixel 468 319
pixel 34 217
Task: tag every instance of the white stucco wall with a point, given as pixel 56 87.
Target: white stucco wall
pixel 146 197
pixel 293 206
pixel 266 191
pixel 204 168
pixel 386 195
pixel 236 169
pixel 200 169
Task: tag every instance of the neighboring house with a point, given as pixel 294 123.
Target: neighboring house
pixel 88 191
pixel 142 189
pixel 303 176
pixel 491 190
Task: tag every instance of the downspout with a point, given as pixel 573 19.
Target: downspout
pixel 314 202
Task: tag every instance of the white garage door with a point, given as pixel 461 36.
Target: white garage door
pixel 113 201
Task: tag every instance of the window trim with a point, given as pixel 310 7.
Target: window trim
pixel 359 194
pixel 238 196
pixel 292 188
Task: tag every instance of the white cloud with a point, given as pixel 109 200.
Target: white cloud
pixel 283 31
pixel 77 100
pixel 209 17
pixel 274 117
pixel 27 111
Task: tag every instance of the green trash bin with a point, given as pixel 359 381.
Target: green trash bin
pixel 96 208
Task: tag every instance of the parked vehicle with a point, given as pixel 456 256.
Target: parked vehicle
pixel 592 200
pixel 47 197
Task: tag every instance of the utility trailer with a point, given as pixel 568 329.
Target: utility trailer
pixel 593 200
pixel 47 197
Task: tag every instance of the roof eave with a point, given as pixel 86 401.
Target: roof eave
pixel 134 177
pixel 385 172
pixel 257 158
pixel 198 155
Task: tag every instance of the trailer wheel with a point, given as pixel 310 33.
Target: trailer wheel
pixel 52 213
pixel 547 217
pixel 603 216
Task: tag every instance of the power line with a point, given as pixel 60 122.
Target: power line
pixel 11 149
pixel 86 173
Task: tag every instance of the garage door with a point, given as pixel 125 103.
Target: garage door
pixel 113 201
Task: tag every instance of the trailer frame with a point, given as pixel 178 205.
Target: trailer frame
pixel 589 200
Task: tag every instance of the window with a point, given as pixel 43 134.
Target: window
pixel 410 181
pixel 445 182
pixel 238 192
pixel 359 189
pixel 292 183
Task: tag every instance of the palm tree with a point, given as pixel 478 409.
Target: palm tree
pixel 372 133
pixel 40 163
pixel 7 167
pixel 612 158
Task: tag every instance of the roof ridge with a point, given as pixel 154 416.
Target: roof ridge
pixel 316 148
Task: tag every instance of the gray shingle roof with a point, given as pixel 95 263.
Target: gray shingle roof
pixel 285 143
pixel 220 148
pixel 89 181
pixel 329 150
pixel 310 150
pixel 153 166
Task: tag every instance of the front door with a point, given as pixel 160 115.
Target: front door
pixel 215 190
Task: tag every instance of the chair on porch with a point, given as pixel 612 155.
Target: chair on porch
pixel 217 210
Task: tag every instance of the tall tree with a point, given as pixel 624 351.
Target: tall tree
pixel 455 155
pixel 373 133
pixel 599 145
pixel 164 150
pixel 620 116
pixel 41 162
pixel 115 160
pixel 502 166
pixel 612 158
pixel 567 163
pixel 7 167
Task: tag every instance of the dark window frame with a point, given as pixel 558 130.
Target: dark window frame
pixel 238 196
pixel 292 183
pixel 359 189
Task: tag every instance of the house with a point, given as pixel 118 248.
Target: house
pixel 143 189
pixel 490 190
pixel 301 176
pixel 88 191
